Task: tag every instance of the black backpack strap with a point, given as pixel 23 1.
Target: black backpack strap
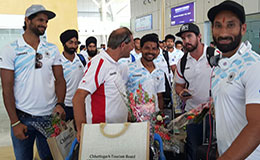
pixel 82 59
pixel 182 65
pixel 209 53
pixel 166 57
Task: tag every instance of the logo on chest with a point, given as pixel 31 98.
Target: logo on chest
pixel 231 77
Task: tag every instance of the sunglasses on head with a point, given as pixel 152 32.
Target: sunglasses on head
pixel 38 63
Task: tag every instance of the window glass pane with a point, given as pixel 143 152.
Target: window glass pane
pixel 9 35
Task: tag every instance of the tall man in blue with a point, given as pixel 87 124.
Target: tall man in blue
pixel 33 84
pixel 235 85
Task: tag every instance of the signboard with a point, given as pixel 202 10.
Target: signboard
pixel 182 14
pixel 144 23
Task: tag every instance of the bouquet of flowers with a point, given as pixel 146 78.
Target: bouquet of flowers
pixel 174 134
pixel 195 115
pixel 140 104
pixel 171 141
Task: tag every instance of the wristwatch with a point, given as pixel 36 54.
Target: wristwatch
pixel 61 104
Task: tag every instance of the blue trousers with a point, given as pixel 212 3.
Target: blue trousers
pixel 23 149
pixel 195 137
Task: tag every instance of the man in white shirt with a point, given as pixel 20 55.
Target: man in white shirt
pixel 91 48
pixel 73 68
pixel 136 52
pixel 195 80
pixel 235 85
pixel 144 72
pixel 174 54
pixel 99 82
pixel 33 84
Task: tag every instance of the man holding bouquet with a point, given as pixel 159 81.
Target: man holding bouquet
pixel 33 84
pixel 193 84
pixel 144 80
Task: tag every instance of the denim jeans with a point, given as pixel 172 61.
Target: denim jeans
pixel 23 149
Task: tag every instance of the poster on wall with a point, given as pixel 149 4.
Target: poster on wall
pixel 144 23
pixel 182 14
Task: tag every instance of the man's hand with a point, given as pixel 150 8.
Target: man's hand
pixel 78 135
pixel 19 131
pixel 184 98
pixel 59 109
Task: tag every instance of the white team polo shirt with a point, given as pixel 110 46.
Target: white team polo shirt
pixel 136 55
pixel 105 103
pixel 73 73
pixel 34 89
pixel 85 54
pixel 135 73
pixel 233 86
pixel 161 63
pixel 175 56
pixel 197 73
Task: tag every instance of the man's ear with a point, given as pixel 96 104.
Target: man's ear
pixel 26 19
pixel 122 44
pixel 243 29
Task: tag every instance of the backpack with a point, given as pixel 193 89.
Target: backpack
pixel 209 53
pixel 168 90
pixel 82 59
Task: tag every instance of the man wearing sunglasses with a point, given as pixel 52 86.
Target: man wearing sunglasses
pixel 102 82
pixel 33 84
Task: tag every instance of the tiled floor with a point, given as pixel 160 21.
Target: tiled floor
pixel 6 149
pixel 7 153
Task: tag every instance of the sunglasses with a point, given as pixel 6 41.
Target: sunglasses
pixel 38 63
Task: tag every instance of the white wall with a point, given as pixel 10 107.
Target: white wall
pixel 139 9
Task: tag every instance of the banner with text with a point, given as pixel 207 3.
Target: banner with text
pixel 182 14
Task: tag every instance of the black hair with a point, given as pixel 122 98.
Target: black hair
pixel 150 38
pixel 178 42
pixel 137 38
pixel 170 36
pixel 30 18
pixel 82 47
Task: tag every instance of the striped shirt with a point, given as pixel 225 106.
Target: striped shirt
pixel 34 89
pixel 73 73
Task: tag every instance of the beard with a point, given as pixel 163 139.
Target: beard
pixel 169 46
pixel 228 47
pixel 148 59
pixel 192 48
pixel 92 53
pixel 69 50
pixel 36 31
